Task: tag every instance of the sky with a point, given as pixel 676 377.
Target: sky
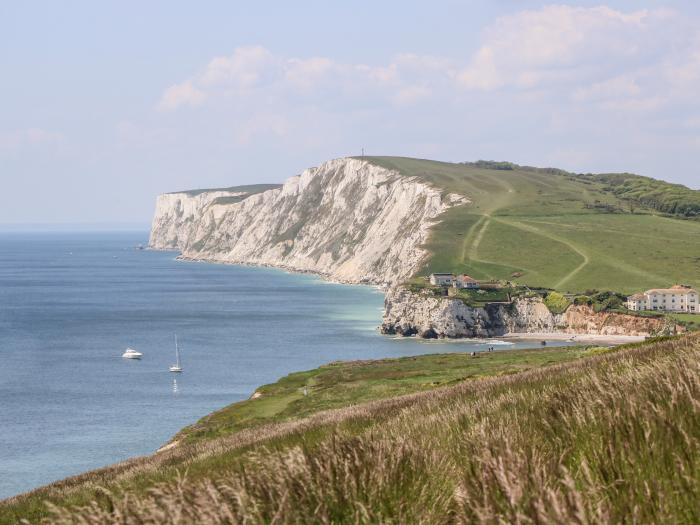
pixel 104 105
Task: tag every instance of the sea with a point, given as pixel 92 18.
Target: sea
pixel 71 303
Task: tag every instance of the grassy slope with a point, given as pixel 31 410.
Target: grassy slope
pixel 610 438
pixel 347 383
pixel 332 386
pixel 537 224
pixel 251 189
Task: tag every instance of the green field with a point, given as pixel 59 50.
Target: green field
pixel 558 230
pixel 539 436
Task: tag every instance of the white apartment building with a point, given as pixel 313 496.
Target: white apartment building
pixel 678 298
pixel 637 302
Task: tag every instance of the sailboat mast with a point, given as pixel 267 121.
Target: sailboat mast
pixel 177 352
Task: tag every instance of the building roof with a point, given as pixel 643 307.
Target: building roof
pixel 465 277
pixel 673 290
pixel 442 274
pixel 637 297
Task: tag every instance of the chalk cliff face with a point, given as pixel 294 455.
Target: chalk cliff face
pixel 347 219
pixel 411 313
pixel 177 215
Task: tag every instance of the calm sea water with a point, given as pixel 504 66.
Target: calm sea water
pixel 71 303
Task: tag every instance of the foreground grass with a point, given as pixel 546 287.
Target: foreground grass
pixel 248 422
pixel 552 230
pixel 610 438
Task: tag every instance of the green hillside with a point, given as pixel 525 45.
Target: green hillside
pixel 551 228
pixel 250 189
pixel 558 436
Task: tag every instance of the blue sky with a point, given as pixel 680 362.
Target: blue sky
pixel 106 104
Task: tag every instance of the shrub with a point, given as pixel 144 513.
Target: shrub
pixel 582 300
pixel 604 301
pixel 659 195
pixel 556 302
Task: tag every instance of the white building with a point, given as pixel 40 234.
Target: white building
pixel 637 302
pixel 464 281
pixel 441 279
pixel 678 298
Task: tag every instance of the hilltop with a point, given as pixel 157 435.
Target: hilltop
pixel 245 190
pixel 555 229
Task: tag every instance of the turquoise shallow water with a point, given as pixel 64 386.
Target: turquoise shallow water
pixel 71 303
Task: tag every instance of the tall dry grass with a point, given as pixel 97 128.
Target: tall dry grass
pixel 608 439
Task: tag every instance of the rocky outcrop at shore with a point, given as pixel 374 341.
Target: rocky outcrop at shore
pixel 413 313
pixel 348 220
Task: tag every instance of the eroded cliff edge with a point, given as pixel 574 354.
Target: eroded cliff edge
pixel 348 220
pixel 414 313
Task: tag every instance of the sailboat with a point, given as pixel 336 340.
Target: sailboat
pixel 176 367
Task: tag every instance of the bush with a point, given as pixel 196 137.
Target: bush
pixel 556 302
pixel 582 300
pixel 659 195
pixel 604 301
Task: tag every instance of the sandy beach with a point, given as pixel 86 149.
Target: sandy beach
pixel 582 338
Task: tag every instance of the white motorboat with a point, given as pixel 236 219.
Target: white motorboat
pixel 176 367
pixel 132 354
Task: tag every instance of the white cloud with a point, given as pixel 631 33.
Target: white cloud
pixel 558 43
pixel 245 68
pixel 254 71
pixel 588 55
pixel 179 95
pixel 306 73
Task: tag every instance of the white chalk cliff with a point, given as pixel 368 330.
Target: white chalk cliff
pixel 348 220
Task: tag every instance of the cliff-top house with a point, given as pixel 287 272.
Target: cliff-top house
pixel 441 279
pixel 449 279
pixel 678 298
pixel 464 281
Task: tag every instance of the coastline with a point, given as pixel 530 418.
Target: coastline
pixel 281 267
pixel 602 339
pixel 581 338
